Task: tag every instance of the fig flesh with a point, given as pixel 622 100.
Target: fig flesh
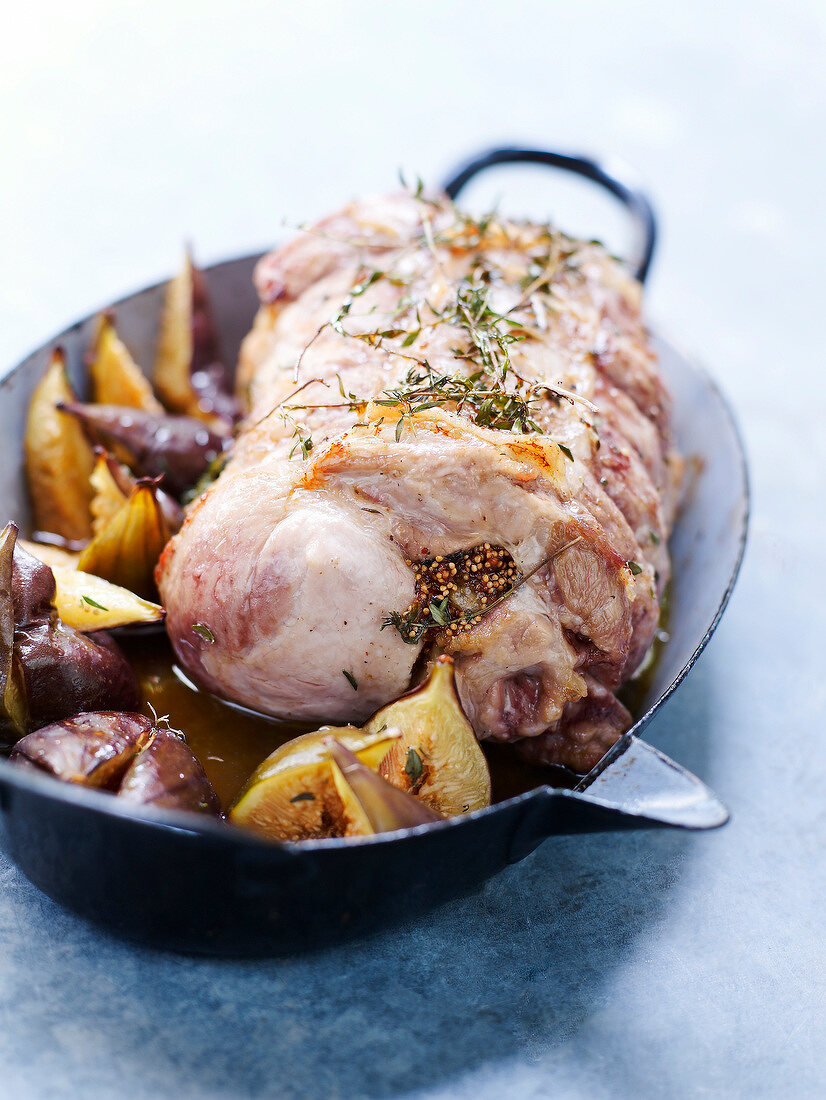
pixel 108 493
pixel 58 458
pixel 190 373
pixel 89 603
pixel 116 378
pixel 113 484
pixel 292 795
pixel 370 803
pixel 126 550
pixel 438 757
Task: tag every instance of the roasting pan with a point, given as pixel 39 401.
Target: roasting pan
pixel 180 882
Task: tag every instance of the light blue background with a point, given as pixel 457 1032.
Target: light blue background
pixel 649 965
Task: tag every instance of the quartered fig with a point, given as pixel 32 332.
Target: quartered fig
pixel 116 378
pixel 33 583
pixel 58 458
pixel 438 757
pixel 93 750
pixel 190 373
pixel 293 796
pixel 49 554
pixel 370 803
pixel 108 493
pixel 66 672
pixel 124 753
pixel 126 550
pixel 89 603
pixel 14 708
pixel 177 448
pixel 166 773
pixel 112 485
pixel 51 671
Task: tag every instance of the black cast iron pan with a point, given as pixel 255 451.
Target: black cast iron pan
pixel 178 881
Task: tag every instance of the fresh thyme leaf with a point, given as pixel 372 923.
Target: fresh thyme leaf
pixel 350 397
pixel 355 292
pixel 413 765
pixel 303 796
pixel 566 451
pixel 94 603
pixel 410 627
pixel 655 538
pixel 438 611
pixel 353 681
pixel 204 632
pixel 399 429
pixel 303 439
pixel 634 567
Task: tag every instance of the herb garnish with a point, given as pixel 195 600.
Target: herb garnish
pixel 413 765
pixel 490 391
pixel 301 435
pixel 353 682
pixel 303 796
pixel 634 567
pixel 94 603
pixel 204 632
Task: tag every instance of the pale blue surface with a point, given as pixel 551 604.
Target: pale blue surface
pixel 644 965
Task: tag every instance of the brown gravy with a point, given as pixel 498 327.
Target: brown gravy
pixel 231 741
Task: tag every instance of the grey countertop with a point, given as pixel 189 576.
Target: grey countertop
pixel 640 965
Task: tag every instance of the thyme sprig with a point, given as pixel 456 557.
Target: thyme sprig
pixel 489 405
pixel 494 394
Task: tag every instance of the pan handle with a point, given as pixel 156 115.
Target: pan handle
pixel 634 786
pixel 616 181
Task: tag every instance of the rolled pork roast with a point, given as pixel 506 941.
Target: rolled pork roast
pixel 457 441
